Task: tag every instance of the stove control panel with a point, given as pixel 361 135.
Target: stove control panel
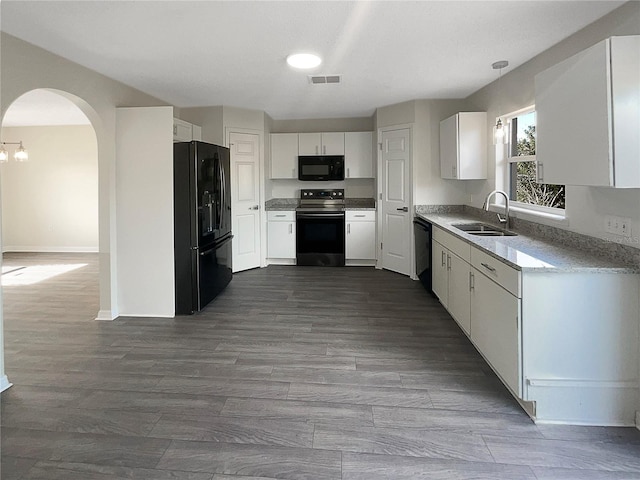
pixel 336 194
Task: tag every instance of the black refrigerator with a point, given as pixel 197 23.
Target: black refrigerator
pixel 202 223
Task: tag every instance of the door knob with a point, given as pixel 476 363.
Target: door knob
pixel 255 207
pixel 403 209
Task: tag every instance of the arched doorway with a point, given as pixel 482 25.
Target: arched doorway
pixel 50 203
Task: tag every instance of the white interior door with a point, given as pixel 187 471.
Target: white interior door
pixel 245 199
pixel 396 216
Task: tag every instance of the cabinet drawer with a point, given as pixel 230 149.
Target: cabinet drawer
pixel 360 215
pixel 504 275
pixel 454 244
pixel 281 216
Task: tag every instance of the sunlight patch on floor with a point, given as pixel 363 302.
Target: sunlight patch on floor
pixel 15 276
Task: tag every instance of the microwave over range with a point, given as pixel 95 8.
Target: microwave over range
pixel 320 167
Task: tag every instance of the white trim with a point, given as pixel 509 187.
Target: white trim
pixel 106 315
pixel 49 249
pixel 579 383
pixel 146 315
pixel 4 383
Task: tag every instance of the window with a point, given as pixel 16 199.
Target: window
pixel 523 185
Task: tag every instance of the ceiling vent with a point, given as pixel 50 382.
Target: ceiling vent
pixel 320 79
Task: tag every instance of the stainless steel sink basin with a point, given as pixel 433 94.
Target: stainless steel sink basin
pixel 483 230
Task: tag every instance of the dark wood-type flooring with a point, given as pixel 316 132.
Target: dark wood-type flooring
pixel 292 373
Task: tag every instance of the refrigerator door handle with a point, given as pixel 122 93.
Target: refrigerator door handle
pixel 222 193
pixel 215 247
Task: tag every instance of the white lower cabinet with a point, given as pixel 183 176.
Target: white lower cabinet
pixel 360 236
pixel 563 342
pixel 281 236
pixel 495 328
pixel 451 276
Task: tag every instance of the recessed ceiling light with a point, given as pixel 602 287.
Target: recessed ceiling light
pixel 303 60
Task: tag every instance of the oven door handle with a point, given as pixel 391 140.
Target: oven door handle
pixel 302 216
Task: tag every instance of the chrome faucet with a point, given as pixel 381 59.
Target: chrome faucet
pixel 501 219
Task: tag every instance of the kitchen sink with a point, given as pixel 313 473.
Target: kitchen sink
pixel 483 230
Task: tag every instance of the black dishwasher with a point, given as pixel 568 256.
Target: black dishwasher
pixel 422 232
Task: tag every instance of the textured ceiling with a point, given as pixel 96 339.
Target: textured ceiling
pixel 233 53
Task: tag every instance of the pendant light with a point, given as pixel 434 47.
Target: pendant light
pixel 20 155
pixel 499 130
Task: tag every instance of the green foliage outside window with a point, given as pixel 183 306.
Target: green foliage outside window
pixel 528 190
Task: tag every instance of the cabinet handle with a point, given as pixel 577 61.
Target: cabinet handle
pixel 488 267
pixel 448 262
pixel 443 258
pixel 280 215
pixel 175 130
pixel 454 169
pixel 316 149
pixel 539 171
pixel 358 215
pixel 324 149
pixel 348 228
pixel 348 175
pixel 290 229
pixel 472 284
pixel 293 173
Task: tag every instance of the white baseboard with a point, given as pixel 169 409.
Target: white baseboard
pixel 106 315
pixel 48 249
pixel 4 383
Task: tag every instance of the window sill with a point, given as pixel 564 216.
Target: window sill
pixel 524 213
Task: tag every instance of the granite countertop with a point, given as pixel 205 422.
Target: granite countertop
pixel 528 253
pixel 276 204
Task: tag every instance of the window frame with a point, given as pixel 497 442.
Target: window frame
pixel 512 163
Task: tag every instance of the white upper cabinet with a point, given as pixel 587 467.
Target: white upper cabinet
pixel 358 154
pixel 185 131
pixel 328 143
pixel 588 117
pixel 284 155
pixel 463 146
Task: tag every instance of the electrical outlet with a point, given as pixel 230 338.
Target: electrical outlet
pixel 609 224
pixel 617 225
pixel 625 227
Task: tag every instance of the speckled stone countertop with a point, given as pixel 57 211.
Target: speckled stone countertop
pixel 528 253
pixel 276 204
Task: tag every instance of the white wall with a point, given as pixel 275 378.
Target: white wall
pixel 50 203
pixel 26 67
pixel 144 181
pixel 586 206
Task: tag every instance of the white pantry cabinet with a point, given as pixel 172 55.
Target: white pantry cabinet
pixel 281 236
pixel 463 146
pixel 358 154
pixel 360 236
pixel 451 276
pixel 326 143
pixel 284 155
pixel 185 131
pixel 588 117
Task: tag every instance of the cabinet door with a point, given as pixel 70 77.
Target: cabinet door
pixel 459 304
pixel 360 241
pixel 284 155
pixel 310 143
pixel 358 154
pixel 573 120
pixel 182 131
pixel 495 329
pixel 440 274
pixel 449 147
pixel 333 143
pixel 281 240
pixel 472 145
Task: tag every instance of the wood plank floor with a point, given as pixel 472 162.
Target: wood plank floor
pixel 292 373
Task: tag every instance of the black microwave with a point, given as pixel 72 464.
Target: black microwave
pixel 320 167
